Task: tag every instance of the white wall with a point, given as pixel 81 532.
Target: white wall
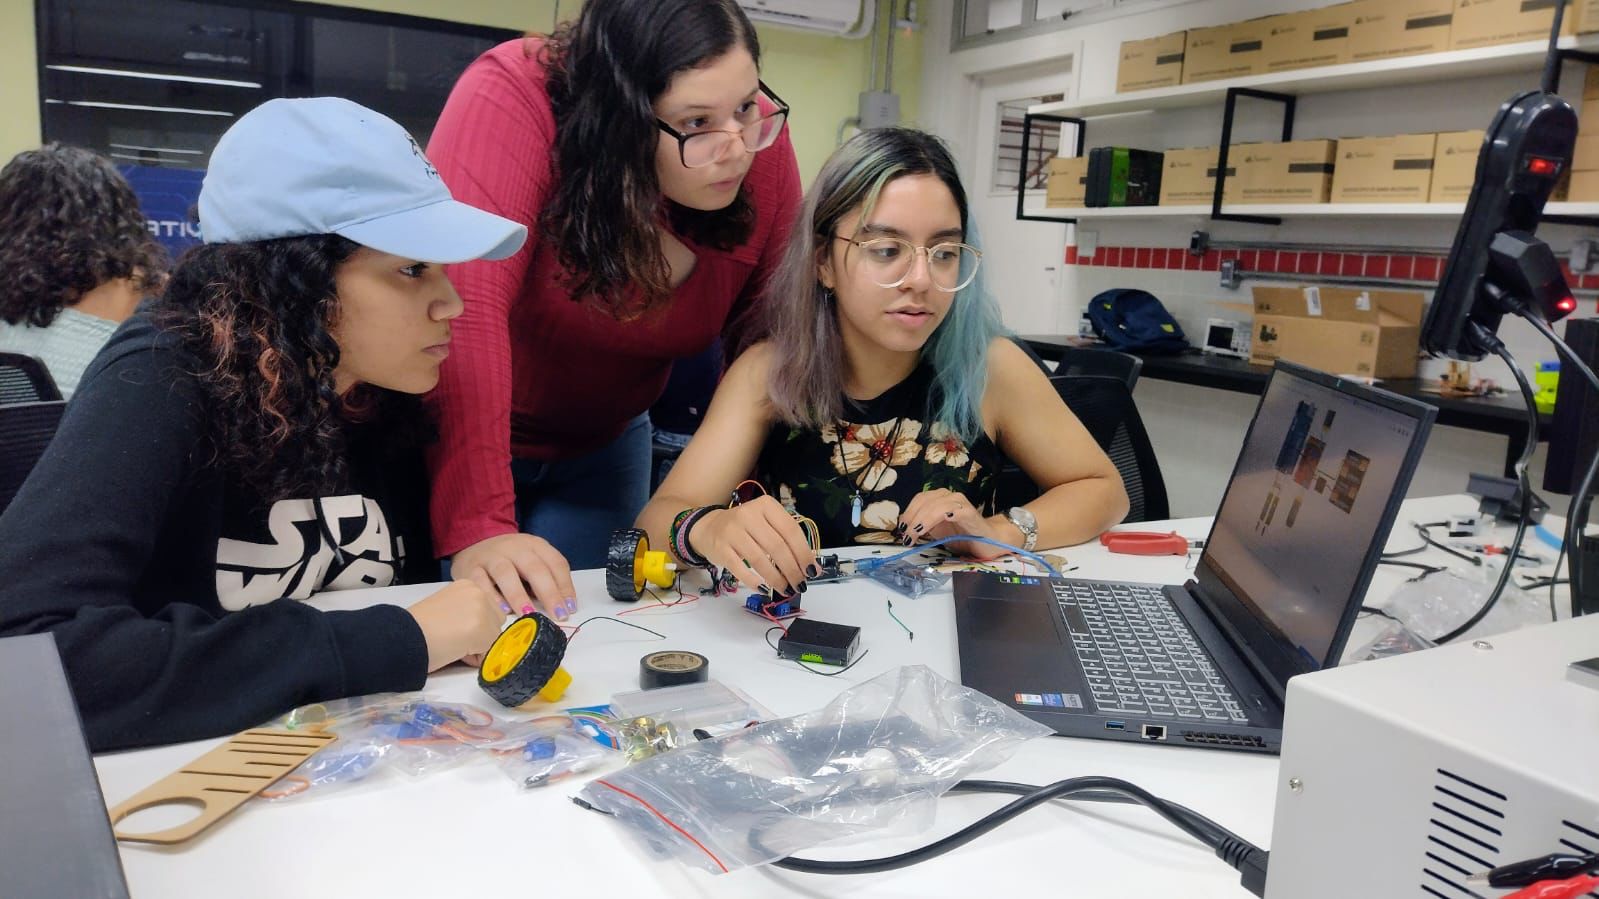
pixel 1197 431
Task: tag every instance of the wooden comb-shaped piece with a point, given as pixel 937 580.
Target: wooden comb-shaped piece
pixel 222 779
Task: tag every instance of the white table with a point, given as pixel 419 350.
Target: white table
pixel 468 831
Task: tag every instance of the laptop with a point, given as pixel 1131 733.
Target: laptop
pixel 1302 524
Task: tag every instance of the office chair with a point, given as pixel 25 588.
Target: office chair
pixel 25 431
pixel 24 379
pixel 1104 405
pixel 1086 361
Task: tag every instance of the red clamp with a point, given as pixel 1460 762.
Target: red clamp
pixel 1148 543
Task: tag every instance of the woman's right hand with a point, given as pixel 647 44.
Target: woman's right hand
pixel 460 620
pixel 506 566
pixel 760 543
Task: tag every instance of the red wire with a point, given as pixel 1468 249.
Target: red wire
pixel 669 823
pixel 1558 889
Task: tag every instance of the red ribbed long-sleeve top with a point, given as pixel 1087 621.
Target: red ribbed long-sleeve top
pixel 532 373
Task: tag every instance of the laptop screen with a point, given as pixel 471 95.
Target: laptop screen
pixel 1308 509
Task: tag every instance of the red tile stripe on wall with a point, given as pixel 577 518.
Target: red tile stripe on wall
pixel 1285 262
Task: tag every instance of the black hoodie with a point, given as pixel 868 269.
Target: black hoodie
pixel 173 589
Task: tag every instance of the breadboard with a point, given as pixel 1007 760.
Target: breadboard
pixel 222 779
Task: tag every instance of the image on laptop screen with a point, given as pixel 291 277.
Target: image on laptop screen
pixel 1313 482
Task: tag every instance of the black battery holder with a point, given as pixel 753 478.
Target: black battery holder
pixel 821 642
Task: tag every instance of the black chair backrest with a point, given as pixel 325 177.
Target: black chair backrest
pixel 25 431
pixel 24 379
pixel 1084 361
pixel 1104 404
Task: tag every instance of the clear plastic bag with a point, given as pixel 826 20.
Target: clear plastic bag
pixel 541 751
pixel 1395 639
pixel 878 756
pixel 1439 603
pixel 380 734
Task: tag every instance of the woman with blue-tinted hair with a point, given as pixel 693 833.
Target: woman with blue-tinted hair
pixel 885 396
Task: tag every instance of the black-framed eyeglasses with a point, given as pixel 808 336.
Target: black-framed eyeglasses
pixel 702 148
pixel 951 265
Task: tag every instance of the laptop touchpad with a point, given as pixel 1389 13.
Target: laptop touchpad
pixel 1010 621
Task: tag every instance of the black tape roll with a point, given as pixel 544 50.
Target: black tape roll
pixel 671 667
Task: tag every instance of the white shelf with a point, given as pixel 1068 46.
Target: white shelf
pixel 1297 210
pixel 1445 66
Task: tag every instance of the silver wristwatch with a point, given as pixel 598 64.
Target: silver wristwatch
pixel 1026 523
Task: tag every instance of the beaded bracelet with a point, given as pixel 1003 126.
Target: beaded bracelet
pixel 681 525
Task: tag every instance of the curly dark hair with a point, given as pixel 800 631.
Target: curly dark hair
pixel 257 318
pixel 604 71
pixel 69 222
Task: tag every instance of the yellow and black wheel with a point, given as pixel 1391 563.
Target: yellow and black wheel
pixel 525 661
pixel 630 564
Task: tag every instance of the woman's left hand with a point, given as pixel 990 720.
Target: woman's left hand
pixel 933 514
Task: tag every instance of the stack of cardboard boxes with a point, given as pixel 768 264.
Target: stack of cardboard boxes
pixel 1359 31
pixel 1584 184
pixel 1348 331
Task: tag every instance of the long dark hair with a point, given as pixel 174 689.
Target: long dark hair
pixel 256 317
pixel 69 222
pixel 604 71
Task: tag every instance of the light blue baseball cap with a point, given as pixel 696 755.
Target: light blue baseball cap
pixel 325 165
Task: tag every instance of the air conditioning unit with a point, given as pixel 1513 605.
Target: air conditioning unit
pixel 832 16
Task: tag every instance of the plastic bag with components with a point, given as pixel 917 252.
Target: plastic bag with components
pixel 878 756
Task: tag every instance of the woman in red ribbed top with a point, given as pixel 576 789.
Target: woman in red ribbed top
pixel 659 185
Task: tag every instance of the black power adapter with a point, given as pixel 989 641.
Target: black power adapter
pixel 820 641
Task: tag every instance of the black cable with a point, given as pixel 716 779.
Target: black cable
pixel 1406 552
pixel 573 634
pixel 1373 610
pixel 1425 569
pixel 1531 444
pixel 1228 846
pixel 1577 515
pixel 1426 538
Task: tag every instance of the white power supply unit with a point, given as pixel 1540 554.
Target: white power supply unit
pixel 1404 776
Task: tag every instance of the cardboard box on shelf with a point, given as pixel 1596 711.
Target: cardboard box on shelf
pixel 1188 177
pixel 1481 23
pixel 1151 63
pixel 1315 37
pixel 1586 156
pixel 1584 187
pixel 1382 29
pixel 1299 171
pixel 1226 51
pixel 1454 166
pixel 1067 181
pixel 1370 333
pixel 1587 16
pixel 1394 169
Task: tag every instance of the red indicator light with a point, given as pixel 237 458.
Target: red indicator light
pixel 1566 305
pixel 1541 166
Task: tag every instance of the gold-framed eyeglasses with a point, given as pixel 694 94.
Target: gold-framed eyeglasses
pixel 888 261
pixel 760 122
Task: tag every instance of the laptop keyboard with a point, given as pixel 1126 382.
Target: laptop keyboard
pixel 1139 656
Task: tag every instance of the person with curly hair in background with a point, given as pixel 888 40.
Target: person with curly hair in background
pixel 656 170
pixel 77 254
pixel 254 436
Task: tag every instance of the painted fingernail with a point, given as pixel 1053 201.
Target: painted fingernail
pixel 900 528
pixel 560 613
pixel 571 605
pixel 527 609
pixel 505 607
pixel 813 570
pixel 802 587
pixel 918 529
pixel 949 514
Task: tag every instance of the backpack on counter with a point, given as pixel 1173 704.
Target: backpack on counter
pixel 1134 320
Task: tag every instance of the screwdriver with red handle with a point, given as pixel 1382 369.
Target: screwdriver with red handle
pixel 1148 543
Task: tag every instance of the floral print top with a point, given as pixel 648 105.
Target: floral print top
pixel 886 450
